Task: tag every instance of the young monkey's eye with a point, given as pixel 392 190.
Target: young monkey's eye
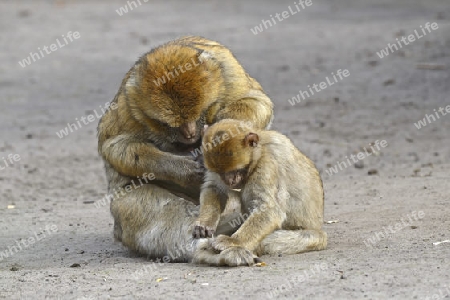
pixel 241 171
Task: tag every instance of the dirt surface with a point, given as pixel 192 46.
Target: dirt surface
pixel 382 243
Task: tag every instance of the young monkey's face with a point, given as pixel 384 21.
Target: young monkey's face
pixel 228 151
pixel 235 179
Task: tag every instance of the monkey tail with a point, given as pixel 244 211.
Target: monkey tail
pixel 293 242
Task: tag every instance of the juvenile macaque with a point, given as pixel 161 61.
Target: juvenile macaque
pixel 280 190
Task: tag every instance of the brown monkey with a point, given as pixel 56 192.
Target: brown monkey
pixel 153 125
pixel 280 188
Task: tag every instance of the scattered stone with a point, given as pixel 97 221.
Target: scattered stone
pixel 431 67
pixel 144 40
pixel 373 63
pixel 332 222
pixel 389 82
pixel 400 33
pixel 15 267
pixel 372 172
pixel 359 164
pixel 283 68
pixel 33 170
pixel 75 265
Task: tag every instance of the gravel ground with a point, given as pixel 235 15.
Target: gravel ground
pixel 389 207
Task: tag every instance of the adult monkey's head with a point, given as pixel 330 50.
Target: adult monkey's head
pixel 170 90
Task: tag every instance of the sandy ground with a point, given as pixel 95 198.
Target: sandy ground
pixel 382 245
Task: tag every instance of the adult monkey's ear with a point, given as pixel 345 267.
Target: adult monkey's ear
pixel 251 139
pixel 202 55
pixel 200 52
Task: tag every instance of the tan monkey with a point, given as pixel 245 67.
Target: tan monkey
pixel 280 188
pixel 154 125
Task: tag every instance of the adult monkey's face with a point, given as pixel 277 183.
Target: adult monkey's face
pixel 189 132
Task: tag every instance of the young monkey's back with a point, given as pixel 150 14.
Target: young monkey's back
pixel 300 187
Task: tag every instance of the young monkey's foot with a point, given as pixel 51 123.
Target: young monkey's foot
pixel 237 256
pixel 231 257
pixel 223 242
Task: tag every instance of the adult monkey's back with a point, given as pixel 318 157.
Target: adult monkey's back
pixel 162 105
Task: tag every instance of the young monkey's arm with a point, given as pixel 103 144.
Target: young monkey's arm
pixel 210 210
pixel 259 197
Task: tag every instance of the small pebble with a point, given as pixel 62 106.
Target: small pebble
pixel 15 268
pixel 372 172
pixel 75 265
pixel 359 164
pixel 389 82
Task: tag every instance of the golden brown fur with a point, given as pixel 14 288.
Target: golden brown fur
pixel 155 121
pixel 280 188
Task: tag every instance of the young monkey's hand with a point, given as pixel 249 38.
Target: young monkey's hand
pixel 202 230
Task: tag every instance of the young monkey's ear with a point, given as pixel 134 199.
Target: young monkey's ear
pixel 251 139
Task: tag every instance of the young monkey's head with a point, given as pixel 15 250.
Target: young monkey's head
pixel 230 149
pixel 170 90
